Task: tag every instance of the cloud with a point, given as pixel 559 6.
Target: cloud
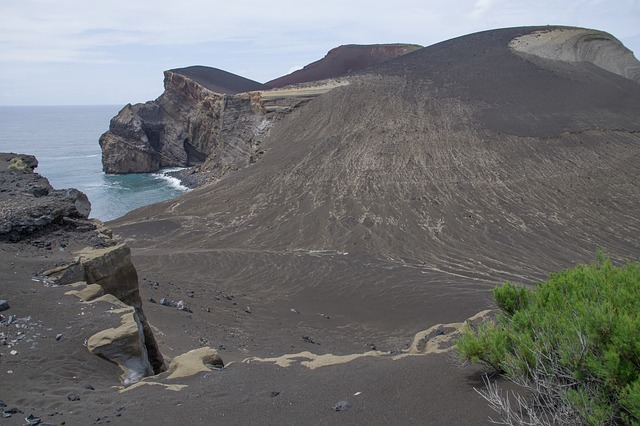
pixel 259 40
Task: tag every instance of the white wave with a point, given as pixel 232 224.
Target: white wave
pixel 172 181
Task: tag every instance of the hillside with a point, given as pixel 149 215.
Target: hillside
pixel 392 204
pixel 344 60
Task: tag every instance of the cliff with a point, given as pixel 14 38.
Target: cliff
pixel 28 203
pixel 210 117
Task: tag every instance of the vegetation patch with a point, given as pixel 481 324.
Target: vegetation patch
pixel 572 342
pixel 18 164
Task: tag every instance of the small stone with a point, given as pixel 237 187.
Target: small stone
pixel 4 305
pixel 308 339
pixel 73 397
pixel 2 404
pixel 58 336
pixel 191 294
pixel 166 302
pixel 342 406
pixel 33 420
pixel 14 352
pixel 89 387
pixel 295 311
pixel 11 319
pixel 152 300
pixel 273 394
pixel 181 305
pixel 247 310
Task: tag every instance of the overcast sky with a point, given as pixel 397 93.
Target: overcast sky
pixel 79 52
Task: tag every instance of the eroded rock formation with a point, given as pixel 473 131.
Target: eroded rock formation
pixel 210 118
pixel 580 45
pixel 111 269
pixel 186 124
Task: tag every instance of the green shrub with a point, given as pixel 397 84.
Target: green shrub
pixel 573 342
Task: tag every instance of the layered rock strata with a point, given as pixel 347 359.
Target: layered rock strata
pixel 218 121
pixel 111 269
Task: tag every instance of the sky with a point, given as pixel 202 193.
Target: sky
pixel 79 52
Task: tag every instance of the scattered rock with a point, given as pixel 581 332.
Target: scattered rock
pixel 181 305
pixel 89 387
pixel 247 310
pixel 32 420
pixel 342 406
pixel 58 336
pixel 2 404
pixel 152 300
pixel 308 339
pixel 166 302
pixel 4 305
pixel 273 394
pixel 191 294
pixel 295 311
pixel 73 397
pixel 11 319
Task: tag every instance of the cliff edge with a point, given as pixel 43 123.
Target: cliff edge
pixel 211 118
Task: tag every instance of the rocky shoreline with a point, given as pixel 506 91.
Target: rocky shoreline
pixel 71 258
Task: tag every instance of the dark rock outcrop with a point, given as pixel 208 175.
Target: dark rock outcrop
pixel 185 125
pixel 28 202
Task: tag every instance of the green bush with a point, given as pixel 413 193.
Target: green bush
pixel 573 342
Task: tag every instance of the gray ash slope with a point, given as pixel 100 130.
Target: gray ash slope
pixel 463 157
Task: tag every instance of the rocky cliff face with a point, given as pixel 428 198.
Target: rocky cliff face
pixel 183 127
pixel 29 203
pixel 211 118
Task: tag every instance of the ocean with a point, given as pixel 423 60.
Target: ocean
pixel 64 139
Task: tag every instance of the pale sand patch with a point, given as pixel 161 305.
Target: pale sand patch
pixel 171 387
pixel 422 345
pixel 302 91
pixel 194 362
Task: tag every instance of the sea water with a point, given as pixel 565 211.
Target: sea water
pixel 64 139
